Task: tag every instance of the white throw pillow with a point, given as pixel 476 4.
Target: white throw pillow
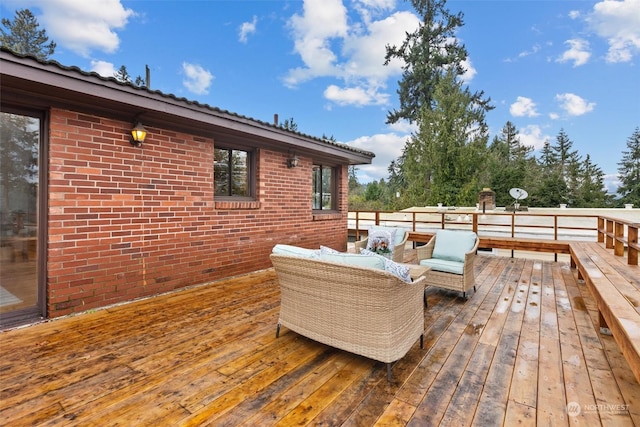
pixel 398 270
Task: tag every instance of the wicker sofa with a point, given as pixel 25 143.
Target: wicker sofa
pixel 361 310
pixel 450 255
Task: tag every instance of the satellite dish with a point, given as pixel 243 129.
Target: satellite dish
pixel 518 193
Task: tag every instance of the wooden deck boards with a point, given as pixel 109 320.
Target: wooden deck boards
pixel 519 350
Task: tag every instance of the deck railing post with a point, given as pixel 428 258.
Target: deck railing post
pixel 608 233
pixel 601 230
pixel 632 254
pixel 513 229
pixel 475 223
pixel 618 243
pixel 555 235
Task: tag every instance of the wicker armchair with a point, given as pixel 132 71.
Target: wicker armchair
pixel 441 273
pixel 361 310
pixel 398 249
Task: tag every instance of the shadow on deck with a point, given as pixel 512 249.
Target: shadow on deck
pixel 523 349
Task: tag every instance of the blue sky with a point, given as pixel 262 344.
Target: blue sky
pixel 546 64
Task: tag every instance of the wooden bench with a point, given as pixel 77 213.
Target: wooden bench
pixel 616 290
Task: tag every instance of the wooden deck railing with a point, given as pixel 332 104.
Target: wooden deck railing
pixel 618 234
pixel 621 236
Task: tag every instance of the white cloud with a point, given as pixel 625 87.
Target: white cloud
pixel 354 54
pixel 197 78
pixel 321 21
pixel 523 107
pixel 534 49
pixel 574 105
pixel 378 4
pixel 354 96
pixel 386 146
pixel 403 126
pixel 83 26
pixel 578 52
pixel 574 14
pixel 533 136
pixel 612 182
pixel 365 50
pixel 370 8
pixel 247 28
pixel 105 69
pixel 470 72
pixel 619 23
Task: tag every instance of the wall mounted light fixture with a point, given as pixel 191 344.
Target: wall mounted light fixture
pixel 292 162
pixel 138 134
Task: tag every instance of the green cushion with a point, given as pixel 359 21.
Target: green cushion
pixel 399 232
pixel 294 251
pixel 452 245
pixel 354 259
pixel 443 265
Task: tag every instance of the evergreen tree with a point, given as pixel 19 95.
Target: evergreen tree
pixel 374 192
pixel 444 161
pixel 574 178
pixel 565 157
pixel 354 185
pixel 561 172
pixel 396 185
pixel 23 36
pixel 426 54
pixel 122 75
pixel 629 171
pixel 289 124
pixel 592 193
pixel 140 82
pixel 509 164
pixel 548 157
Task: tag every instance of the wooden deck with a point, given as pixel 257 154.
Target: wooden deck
pixel 523 350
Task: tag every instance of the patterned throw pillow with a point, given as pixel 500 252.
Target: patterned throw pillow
pixel 381 242
pixel 399 270
pixel 328 250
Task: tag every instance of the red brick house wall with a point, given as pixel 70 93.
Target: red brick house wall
pixel 127 222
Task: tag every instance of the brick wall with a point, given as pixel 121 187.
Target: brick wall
pixel 128 222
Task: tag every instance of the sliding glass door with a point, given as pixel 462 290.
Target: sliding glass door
pixel 20 228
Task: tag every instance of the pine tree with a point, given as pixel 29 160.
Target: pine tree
pixel 565 157
pixel 289 124
pixel 548 157
pixel 426 55
pixel 509 164
pixel 561 172
pixel 592 193
pixel 444 161
pixel 122 75
pixel 629 171
pixel 23 36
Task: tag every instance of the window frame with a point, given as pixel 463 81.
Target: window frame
pixel 333 188
pixel 251 172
